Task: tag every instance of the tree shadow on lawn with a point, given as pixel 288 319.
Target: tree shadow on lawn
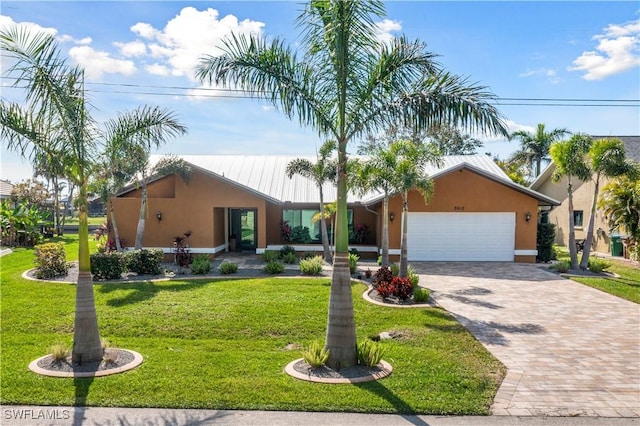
pixel 143 291
pixel 82 385
pixel 401 406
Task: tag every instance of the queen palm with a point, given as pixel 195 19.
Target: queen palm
pixel 54 93
pixel 346 84
pixel 606 158
pixel 324 170
pixel 534 146
pixel 570 160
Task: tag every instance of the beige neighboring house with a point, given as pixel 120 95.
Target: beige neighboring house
pixel 582 199
pixel 5 190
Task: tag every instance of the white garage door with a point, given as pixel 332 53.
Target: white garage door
pixel 461 236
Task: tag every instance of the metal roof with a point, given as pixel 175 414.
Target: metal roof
pixel 265 175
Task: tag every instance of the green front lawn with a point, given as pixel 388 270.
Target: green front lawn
pixel 224 345
pixel 627 286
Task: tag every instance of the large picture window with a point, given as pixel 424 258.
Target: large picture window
pixel 298 226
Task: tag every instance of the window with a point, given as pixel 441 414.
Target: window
pixel 577 218
pixel 303 230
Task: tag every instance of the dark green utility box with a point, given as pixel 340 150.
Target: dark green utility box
pixel 616 245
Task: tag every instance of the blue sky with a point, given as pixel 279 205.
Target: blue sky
pixel 520 50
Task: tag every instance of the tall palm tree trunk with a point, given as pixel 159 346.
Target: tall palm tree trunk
pixel 141 219
pixel 323 231
pixel 403 244
pixel 86 335
pixel 572 232
pixel 385 230
pixel 341 326
pixel 586 251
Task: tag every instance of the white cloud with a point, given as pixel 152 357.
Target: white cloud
pixel 66 38
pixel 384 29
pixel 189 36
pixel 157 69
pixel 618 50
pixel 96 63
pixel 131 49
pixel 268 108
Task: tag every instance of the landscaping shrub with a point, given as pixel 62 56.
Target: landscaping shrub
pixel 544 243
pixel 274 267
pixel 561 266
pixel 312 266
pixel 598 265
pixel 51 260
pixel 286 250
pixel 315 355
pixel 382 275
pixel 107 265
pixel 395 269
pixel 414 278
pixel 398 287
pixel 227 268
pixel 353 262
pixel 421 295
pixel 201 265
pixel 369 353
pixel 289 258
pixel 300 234
pixel 59 352
pixel 144 261
pixel 270 255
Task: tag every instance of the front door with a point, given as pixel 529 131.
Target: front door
pixel 243 228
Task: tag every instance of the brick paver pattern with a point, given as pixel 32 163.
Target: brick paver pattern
pixel 570 350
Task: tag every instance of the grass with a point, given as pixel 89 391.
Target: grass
pixel 222 344
pixel 626 286
pixel 93 220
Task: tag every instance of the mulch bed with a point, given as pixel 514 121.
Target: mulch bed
pixel 325 372
pixel 118 358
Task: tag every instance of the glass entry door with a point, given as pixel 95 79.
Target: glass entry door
pixel 243 228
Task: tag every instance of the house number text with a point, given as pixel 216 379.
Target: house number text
pixel 458 208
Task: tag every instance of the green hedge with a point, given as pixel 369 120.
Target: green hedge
pixel 544 243
pixel 144 261
pixel 107 266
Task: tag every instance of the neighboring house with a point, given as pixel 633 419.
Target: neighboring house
pixel 240 203
pixel 5 190
pixel 582 199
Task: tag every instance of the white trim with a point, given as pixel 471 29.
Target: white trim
pixel 394 252
pixel 193 250
pixel 319 248
pixel 525 252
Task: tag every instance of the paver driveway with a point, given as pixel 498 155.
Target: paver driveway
pixel 569 349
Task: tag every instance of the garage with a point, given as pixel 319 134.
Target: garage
pixel 461 236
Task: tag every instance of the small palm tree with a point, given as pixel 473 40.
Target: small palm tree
pixel 324 170
pixel 570 160
pixel 606 159
pixel 534 146
pixel 346 85
pixel 620 201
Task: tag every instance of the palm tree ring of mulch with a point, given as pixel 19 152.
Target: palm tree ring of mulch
pixel 115 361
pixel 299 369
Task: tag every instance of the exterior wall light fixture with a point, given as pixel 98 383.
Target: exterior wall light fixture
pixel 392 216
pixel 159 216
pixel 527 216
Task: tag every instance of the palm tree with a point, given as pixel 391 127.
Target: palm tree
pixel 620 201
pixel 324 170
pixel 348 84
pixel 55 94
pixel 134 145
pixel 570 160
pixel 168 165
pixel 606 159
pixel 408 174
pixel 534 147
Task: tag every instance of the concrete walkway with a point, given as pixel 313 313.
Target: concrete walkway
pixel 570 350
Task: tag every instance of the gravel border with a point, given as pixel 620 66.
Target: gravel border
pixel 299 369
pixel 125 360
